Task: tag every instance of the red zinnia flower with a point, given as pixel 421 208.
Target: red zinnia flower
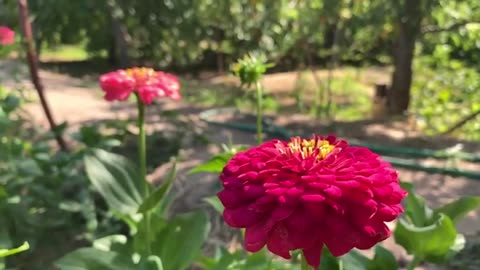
pixel 308 193
pixel 7 36
pixel 148 83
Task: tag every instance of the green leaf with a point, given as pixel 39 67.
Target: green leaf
pixel 7 252
pixel 106 243
pixel 10 103
pixel 215 202
pixel 416 209
pixel 457 246
pixel 257 261
pixel 328 261
pixel 456 210
pixel 28 167
pixel 142 236
pixel 158 195
pixel 116 179
pixel 354 260
pixel 152 262
pixel 382 260
pixel 94 259
pixel 214 165
pixel 181 240
pixel 225 260
pixel 431 243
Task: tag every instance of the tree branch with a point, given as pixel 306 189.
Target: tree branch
pixel 462 122
pixel 434 29
pixel 33 66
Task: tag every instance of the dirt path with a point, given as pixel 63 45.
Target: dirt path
pixel 77 102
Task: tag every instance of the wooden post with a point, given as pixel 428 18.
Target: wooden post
pixel 380 101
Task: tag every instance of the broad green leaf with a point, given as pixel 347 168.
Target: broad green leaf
pixel 431 243
pixel 457 246
pixel 158 195
pixel 225 259
pixel 214 165
pixel 130 220
pixel 354 260
pixel 157 225
pixel 457 209
pixel 95 259
pixel 106 243
pixel 7 252
pixel 416 209
pixel 382 260
pixel 328 261
pixel 28 167
pixel 151 263
pixel 116 179
pixel 215 202
pixel 181 240
pixel 257 261
pixel 164 205
pixel 281 265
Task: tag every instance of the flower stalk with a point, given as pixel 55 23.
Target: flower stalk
pixel 147 85
pixel 258 87
pixel 250 70
pixel 142 158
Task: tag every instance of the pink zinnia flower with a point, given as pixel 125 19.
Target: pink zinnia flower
pixel 148 83
pixel 308 193
pixel 7 36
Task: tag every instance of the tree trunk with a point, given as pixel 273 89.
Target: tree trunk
pixel 121 44
pixel 408 27
pixel 399 98
pixel 118 51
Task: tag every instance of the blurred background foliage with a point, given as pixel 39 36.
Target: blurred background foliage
pixel 433 46
pixel 187 33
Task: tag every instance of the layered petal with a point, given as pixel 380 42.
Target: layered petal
pixel 146 82
pixel 117 85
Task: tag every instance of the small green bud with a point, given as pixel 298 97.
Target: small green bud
pixel 250 68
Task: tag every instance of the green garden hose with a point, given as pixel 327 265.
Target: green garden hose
pixel 390 153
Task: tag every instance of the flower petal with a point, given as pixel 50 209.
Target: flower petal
pixel 117 85
pixel 313 255
pixel 241 217
pixel 256 236
pixel 278 242
pixel 148 93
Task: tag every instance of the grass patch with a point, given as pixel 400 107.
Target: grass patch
pixel 64 53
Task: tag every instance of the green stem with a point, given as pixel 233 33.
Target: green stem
pixel 413 263
pixel 303 264
pixel 142 157
pixel 259 112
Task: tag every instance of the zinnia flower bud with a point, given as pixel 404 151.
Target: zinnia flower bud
pixel 250 68
pixel 148 83
pixel 308 193
pixel 7 36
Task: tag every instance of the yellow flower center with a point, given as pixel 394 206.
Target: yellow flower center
pixel 140 74
pixel 307 148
